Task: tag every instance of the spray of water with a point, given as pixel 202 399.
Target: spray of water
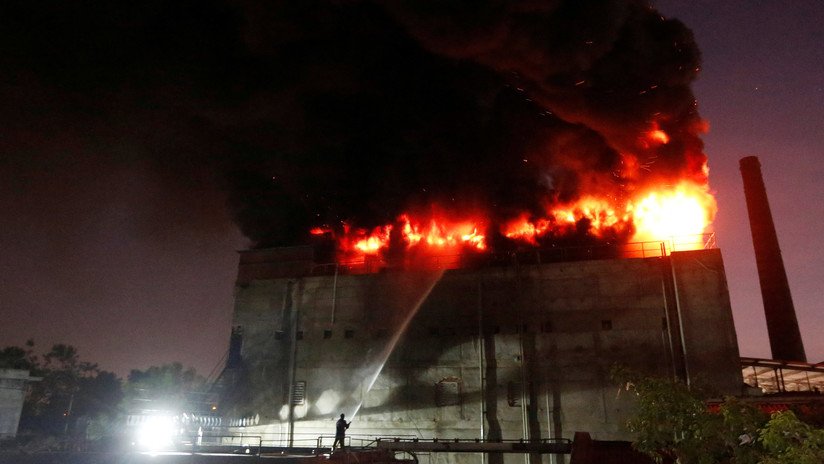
pixel 390 347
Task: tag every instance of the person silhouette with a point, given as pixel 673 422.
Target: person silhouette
pixel 340 432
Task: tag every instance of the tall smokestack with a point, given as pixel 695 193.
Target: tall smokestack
pixel 782 325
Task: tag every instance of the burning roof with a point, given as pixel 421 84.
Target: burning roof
pixel 469 125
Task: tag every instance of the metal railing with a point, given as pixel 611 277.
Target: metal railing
pixel 650 249
pixel 356 441
pixel 222 443
pixel 477 445
pixel 777 377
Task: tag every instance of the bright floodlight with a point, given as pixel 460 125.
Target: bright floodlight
pixel 156 433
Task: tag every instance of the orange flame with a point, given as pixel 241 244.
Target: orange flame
pixel 601 214
pixel 655 134
pixel 363 241
pixel 442 236
pixel 687 209
pixel 659 215
pixel 523 230
pixel 659 136
pixel 663 214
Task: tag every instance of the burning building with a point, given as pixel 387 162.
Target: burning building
pixel 514 346
pixel 489 199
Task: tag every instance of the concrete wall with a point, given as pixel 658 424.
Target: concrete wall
pixel 499 352
pixel 12 394
pixel 701 287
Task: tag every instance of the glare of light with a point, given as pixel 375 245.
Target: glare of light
pixel 156 433
pixel 684 210
pixel 301 410
pixel 328 401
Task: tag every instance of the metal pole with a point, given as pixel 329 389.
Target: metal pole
pixel 524 397
pixel 481 361
pixel 68 414
pixel 553 458
pixel 335 293
pixel 680 324
pixel 293 335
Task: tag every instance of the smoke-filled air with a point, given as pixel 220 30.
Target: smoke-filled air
pixel 459 126
pixel 472 125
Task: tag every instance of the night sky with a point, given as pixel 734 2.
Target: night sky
pixel 142 145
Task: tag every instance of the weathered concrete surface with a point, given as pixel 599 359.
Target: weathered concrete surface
pixel 12 395
pixel 498 352
pixel 708 333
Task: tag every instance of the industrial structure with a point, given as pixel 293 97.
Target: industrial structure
pixel 12 394
pixel 486 356
pixel 782 325
pixel 513 347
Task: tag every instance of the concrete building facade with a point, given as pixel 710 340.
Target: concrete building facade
pixel 12 396
pixel 518 350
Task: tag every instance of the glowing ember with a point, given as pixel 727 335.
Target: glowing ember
pixel 657 135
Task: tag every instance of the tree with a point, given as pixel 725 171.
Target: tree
pixel 71 395
pixel 672 422
pixel 787 440
pixel 14 357
pixel 169 387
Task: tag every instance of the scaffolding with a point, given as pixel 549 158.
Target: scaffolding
pixel 773 377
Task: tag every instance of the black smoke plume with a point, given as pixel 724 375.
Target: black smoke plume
pixel 312 113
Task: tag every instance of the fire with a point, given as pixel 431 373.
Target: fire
pixel 442 234
pixel 375 242
pixel 601 214
pixel 657 215
pixel 687 209
pixel 436 235
pixel 523 230
pixel 659 136
pixel 362 241
pixel 655 134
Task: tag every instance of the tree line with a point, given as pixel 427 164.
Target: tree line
pixel 76 400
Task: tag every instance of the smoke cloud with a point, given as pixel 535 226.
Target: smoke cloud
pixel 312 113
pixel 493 106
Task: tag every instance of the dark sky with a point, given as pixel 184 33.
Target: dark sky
pixel 137 141
pixel 762 90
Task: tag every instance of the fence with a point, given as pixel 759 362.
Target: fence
pixel 370 264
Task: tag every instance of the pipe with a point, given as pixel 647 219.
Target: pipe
pixel 481 362
pixel 335 294
pixel 293 349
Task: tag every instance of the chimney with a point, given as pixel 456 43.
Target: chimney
pixel 782 326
